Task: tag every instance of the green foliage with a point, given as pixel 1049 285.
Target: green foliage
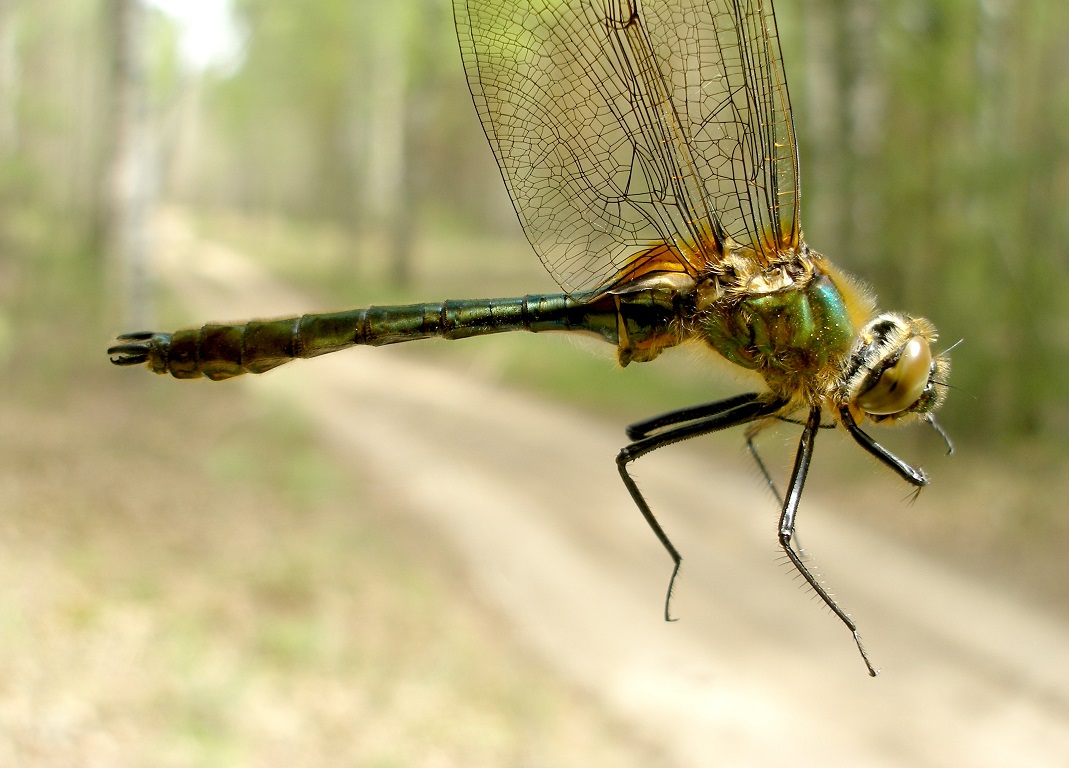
pixel 57 107
pixel 310 82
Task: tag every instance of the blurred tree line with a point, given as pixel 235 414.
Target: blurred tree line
pixel 356 112
pixel 934 135
pixel 60 111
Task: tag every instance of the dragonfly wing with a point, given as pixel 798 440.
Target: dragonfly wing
pixel 620 125
pixel 728 81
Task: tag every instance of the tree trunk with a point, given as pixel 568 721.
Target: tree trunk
pixel 130 181
pixel 9 79
pixel 388 188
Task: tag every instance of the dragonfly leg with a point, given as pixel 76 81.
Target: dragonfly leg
pixel 642 429
pixel 913 476
pixel 713 417
pixel 787 521
pixel 751 446
pixel 941 432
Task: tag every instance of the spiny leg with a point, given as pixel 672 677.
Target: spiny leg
pixel 644 428
pixel 715 417
pixel 751 445
pixel 787 521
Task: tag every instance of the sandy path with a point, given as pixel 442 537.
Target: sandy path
pixel 755 673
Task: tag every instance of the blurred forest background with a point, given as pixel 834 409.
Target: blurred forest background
pixel 935 150
pixel 338 147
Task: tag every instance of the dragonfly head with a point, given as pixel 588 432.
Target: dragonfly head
pixel 891 372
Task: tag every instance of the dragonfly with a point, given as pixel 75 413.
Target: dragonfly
pixel 649 150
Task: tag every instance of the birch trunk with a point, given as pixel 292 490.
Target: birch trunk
pixel 130 179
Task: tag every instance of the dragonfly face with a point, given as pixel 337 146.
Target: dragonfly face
pixel 650 153
pixel 892 372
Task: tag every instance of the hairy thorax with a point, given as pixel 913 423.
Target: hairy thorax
pixel 793 321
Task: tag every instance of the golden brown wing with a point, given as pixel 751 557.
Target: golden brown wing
pixel 620 125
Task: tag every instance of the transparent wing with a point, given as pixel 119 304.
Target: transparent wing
pixel 619 126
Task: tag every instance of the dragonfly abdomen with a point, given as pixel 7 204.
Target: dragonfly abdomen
pixel 220 351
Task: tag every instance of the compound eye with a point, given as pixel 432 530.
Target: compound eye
pixel 902 384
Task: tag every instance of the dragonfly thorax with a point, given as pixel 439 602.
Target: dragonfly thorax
pixel 812 336
pixel 793 322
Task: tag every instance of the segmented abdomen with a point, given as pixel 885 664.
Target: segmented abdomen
pixel 222 351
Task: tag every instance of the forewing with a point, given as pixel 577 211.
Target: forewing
pixel 619 126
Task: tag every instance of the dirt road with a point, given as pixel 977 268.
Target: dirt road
pixel 755 673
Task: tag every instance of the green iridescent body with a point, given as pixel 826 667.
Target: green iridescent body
pixel 790 323
pixel 787 331
pixel 796 335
